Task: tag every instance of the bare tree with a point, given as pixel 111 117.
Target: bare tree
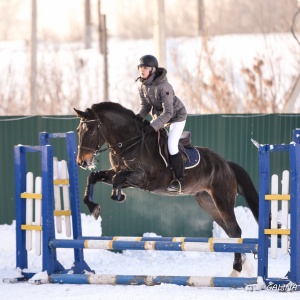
pixel 213 86
pixel 8 18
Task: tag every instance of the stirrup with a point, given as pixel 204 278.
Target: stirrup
pixel 176 186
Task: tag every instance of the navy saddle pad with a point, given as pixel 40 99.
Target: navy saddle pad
pixel 193 157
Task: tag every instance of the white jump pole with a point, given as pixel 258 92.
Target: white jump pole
pixel 38 215
pixel 57 200
pixel 285 211
pixel 29 210
pixel 274 215
pixel 66 196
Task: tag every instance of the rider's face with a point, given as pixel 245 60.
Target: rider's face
pixel 144 71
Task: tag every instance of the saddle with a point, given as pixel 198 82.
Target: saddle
pixel 190 155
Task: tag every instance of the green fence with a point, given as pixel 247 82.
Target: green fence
pixel 229 135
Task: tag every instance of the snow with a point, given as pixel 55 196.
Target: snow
pixel 73 75
pixel 132 262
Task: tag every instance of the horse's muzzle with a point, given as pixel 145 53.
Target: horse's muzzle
pixel 85 159
pixel 82 164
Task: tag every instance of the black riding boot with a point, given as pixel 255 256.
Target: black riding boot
pixel 177 185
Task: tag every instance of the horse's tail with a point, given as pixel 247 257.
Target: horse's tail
pixel 246 187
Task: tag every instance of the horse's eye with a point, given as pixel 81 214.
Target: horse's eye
pixel 91 132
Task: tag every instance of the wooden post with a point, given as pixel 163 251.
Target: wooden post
pixel 105 63
pixel 87 15
pixel 200 17
pixel 33 59
pixel 103 50
pixel 159 31
pixel 100 29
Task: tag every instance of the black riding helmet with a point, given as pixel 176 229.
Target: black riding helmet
pixel 148 61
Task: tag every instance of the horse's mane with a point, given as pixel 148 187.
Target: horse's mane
pixel 114 107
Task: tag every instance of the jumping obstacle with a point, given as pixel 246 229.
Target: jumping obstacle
pixel 78 273
pixel 265 196
pixel 46 152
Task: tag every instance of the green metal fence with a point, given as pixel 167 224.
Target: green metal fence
pixel 229 135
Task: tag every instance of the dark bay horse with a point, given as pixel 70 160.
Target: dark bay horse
pixel 136 162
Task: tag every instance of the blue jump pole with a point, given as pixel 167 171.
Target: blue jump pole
pixel 178 239
pixel 196 281
pixel 172 239
pixel 152 245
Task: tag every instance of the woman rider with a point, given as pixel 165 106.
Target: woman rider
pixel 158 99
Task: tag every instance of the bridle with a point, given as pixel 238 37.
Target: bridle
pixel 113 148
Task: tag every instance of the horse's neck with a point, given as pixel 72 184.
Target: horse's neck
pixel 120 128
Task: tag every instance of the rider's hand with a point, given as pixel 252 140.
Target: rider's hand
pixel 148 129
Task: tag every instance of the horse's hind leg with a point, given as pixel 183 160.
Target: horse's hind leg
pixel 205 201
pixel 224 216
pixel 225 205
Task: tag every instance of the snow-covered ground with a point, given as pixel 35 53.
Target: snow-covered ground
pixel 131 262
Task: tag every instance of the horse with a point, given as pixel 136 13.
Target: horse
pixel 136 162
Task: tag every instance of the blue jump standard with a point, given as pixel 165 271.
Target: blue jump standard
pixel 233 282
pixel 152 245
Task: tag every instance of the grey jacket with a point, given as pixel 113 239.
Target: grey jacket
pixel 158 98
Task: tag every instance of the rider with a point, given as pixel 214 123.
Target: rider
pixel 158 98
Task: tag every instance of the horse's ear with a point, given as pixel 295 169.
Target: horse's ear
pixel 90 112
pixel 79 113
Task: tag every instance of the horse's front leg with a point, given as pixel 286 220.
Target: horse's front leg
pixel 117 181
pixel 94 177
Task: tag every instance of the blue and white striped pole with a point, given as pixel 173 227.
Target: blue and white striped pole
pixel 154 245
pixel 196 281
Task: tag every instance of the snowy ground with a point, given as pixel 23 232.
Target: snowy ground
pixel 140 263
pixel 71 75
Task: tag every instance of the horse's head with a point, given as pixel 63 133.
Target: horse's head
pixel 90 138
pixel 106 122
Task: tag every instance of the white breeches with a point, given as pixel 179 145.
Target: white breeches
pixel 175 132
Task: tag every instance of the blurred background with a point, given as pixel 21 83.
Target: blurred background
pixel 234 63
pixel 222 56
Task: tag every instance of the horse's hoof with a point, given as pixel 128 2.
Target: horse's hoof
pixel 238 263
pixel 119 198
pixel 96 212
